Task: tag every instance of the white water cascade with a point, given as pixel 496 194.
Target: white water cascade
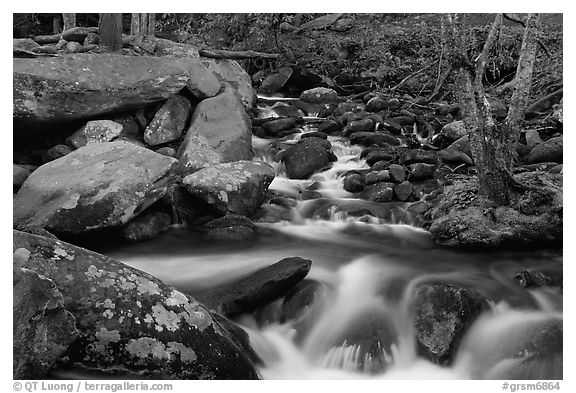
pixel 368 260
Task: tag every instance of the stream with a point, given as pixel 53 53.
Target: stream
pixel 368 259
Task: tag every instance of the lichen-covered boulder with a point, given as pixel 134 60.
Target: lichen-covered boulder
pixel 196 152
pixel 220 131
pixel 232 75
pixel 168 123
pixel 97 186
pixel 442 314
pixel 235 187
pixel 42 328
pixel 82 86
pixel 95 131
pixel 131 323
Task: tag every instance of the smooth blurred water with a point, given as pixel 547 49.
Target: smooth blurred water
pixel 368 258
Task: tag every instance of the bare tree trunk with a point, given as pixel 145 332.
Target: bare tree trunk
pixel 493 148
pixel 151 29
pixel 143 24
pixel 135 24
pixel 69 21
pixel 56 24
pixel 523 83
pixel 110 31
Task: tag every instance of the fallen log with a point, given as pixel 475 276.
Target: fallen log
pixel 236 55
pixel 47 39
pixel 23 53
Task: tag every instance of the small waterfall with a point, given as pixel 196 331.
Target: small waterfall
pixel 177 219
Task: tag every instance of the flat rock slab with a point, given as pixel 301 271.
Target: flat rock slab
pixel 236 187
pixel 82 86
pixel 259 288
pixel 97 186
pixel 131 323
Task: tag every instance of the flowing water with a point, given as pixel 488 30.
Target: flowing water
pixel 368 259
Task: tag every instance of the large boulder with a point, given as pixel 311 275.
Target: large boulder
pixel 82 86
pixel 168 123
pixel 231 74
pixel 97 186
pixel 220 131
pixel 442 315
pixel 42 329
pixel 235 187
pixel 310 155
pixel 256 289
pixel 549 151
pixel 130 322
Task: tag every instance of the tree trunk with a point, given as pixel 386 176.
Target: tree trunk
pixel 143 24
pixel 151 28
pixel 493 148
pixel 56 24
pixel 69 21
pixel 110 31
pixel 135 24
pixel 523 79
